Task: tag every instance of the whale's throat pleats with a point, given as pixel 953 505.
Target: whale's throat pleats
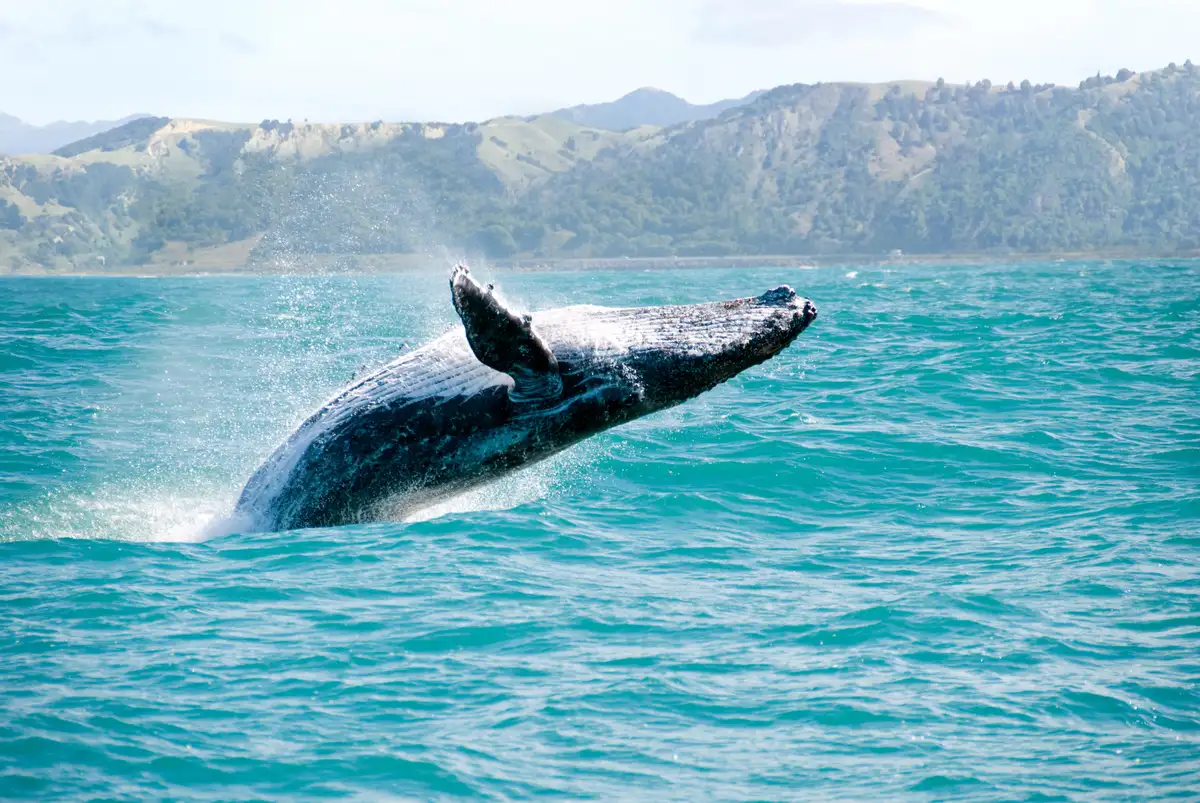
pixel 505 340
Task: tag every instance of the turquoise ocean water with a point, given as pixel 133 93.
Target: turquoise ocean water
pixel 947 546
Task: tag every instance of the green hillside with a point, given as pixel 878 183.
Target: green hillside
pixel 825 169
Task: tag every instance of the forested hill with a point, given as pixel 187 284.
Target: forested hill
pixel 805 169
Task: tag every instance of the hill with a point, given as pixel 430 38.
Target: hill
pixel 121 196
pixel 19 137
pixel 646 106
pixel 1113 164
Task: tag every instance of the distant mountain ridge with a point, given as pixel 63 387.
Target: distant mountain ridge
pixel 19 137
pixel 647 106
pixel 1111 166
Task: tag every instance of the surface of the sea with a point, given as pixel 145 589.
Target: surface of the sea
pixel 945 546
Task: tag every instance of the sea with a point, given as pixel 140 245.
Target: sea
pixel 945 546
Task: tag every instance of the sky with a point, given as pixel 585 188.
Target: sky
pixel 459 60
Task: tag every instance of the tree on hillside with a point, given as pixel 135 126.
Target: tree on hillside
pixel 10 216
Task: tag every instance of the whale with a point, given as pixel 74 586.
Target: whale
pixel 504 390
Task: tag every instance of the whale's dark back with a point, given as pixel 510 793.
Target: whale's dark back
pixel 438 420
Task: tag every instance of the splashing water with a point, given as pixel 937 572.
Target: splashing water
pixel 186 385
pixel 559 474
pixel 118 513
pixel 942 547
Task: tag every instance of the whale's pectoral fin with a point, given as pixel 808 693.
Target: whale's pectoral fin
pixel 505 340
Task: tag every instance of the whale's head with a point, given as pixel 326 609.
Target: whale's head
pixel 668 354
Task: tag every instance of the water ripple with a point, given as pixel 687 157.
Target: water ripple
pixel 945 546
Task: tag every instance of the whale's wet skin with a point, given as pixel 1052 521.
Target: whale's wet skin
pixel 504 391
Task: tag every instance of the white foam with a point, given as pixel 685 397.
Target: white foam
pixel 494 496
pixel 531 484
pixel 114 514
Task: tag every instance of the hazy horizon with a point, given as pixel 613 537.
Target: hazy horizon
pixel 470 60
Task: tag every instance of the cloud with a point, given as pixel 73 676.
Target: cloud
pixel 776 23
pixel 162 30
pixel 81 29
pixel 232 41
pixel 472 59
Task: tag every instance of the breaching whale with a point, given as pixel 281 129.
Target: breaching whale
pixel 503 391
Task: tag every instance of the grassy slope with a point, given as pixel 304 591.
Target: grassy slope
pixel 801 165
pixel 523 152
pixel 173 153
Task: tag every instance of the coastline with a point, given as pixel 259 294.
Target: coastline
pixel 368 264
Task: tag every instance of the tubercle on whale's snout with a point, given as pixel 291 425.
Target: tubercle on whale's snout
pixel 804 311
pixel 783 294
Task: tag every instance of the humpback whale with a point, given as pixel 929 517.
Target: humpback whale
pixel 504 390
